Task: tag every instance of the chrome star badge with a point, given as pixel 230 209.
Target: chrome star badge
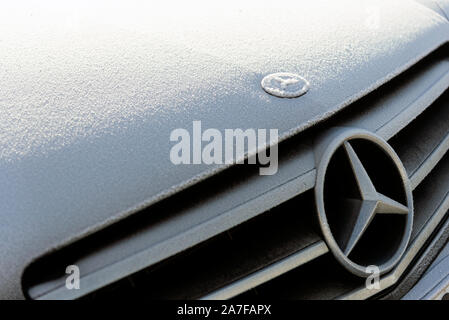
pixel 285 85
pixel 364 200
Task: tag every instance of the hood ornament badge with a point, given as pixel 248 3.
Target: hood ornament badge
pixel 285 85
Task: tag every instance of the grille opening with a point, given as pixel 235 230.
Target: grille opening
pixel 322 278
pixel 423 135
pixel 225 258
pixel 429 195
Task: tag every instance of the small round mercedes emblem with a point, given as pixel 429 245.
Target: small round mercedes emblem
pixel 285 85
pixel 364 200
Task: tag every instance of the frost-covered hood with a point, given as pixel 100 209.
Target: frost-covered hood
pixel 87 102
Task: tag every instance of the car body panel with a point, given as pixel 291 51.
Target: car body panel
pixel 88 103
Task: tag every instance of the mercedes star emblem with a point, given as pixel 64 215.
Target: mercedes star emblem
pixel 285 85
pixel 364 200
